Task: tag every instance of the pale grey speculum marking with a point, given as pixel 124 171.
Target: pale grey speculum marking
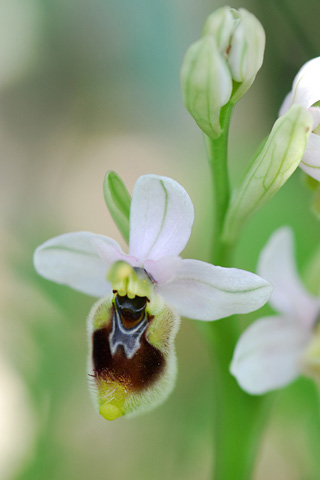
pixel 128 338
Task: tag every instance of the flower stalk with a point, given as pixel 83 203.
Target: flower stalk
pixel 217 151
pixel 237 424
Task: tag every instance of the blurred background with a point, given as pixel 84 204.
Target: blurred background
pixel 90 86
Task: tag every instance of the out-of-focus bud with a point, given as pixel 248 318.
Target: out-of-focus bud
pixel 240 38
pixel 132 365
pixel 221 66
pixel 206 84
pixel 277 161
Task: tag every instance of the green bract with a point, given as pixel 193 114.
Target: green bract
pixel 118 201
pixel 277 161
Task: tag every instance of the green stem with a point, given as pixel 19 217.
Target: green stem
pixel 238 419
pixel 218 160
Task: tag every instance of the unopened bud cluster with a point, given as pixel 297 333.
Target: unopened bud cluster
pixel 221 66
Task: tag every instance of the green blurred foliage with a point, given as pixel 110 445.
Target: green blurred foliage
pixel 100 91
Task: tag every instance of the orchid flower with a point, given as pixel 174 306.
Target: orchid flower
pixel 132 328
pixel 275 350
pixel 306 92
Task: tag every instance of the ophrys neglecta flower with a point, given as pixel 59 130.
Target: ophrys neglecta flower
pixel 132 328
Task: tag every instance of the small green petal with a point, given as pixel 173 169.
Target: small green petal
pixel 118 201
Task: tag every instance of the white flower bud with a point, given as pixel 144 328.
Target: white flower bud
pixel 221 67
pixel 206 84
pixel 241 40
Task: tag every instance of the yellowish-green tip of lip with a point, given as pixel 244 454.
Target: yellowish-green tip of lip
pixel 110 412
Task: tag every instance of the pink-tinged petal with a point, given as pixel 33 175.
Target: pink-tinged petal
pixel 306 86
pixel 277 265
pixel 206 292
pixel 311 158
pixel 161 218
pixel 72 259
pixel 267 355
pixel 111 252
pixel 164 269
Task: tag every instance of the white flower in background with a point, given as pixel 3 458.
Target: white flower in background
pixel 132 330
pixel 306 92
pixel 274 350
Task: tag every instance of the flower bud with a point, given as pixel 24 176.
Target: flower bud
pixel 206 84
pixel 132 359
pixel 221 66
pixel 277 161
pixel 240 38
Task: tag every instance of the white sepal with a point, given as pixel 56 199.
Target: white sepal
pixel 72 259
pixel 207 292
pixel 268 354
pixel 277 264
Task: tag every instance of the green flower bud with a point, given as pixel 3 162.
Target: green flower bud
pixel 277 161
pixel 132 359
pixel 206 84
pixel 240 38
pixel 221 66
